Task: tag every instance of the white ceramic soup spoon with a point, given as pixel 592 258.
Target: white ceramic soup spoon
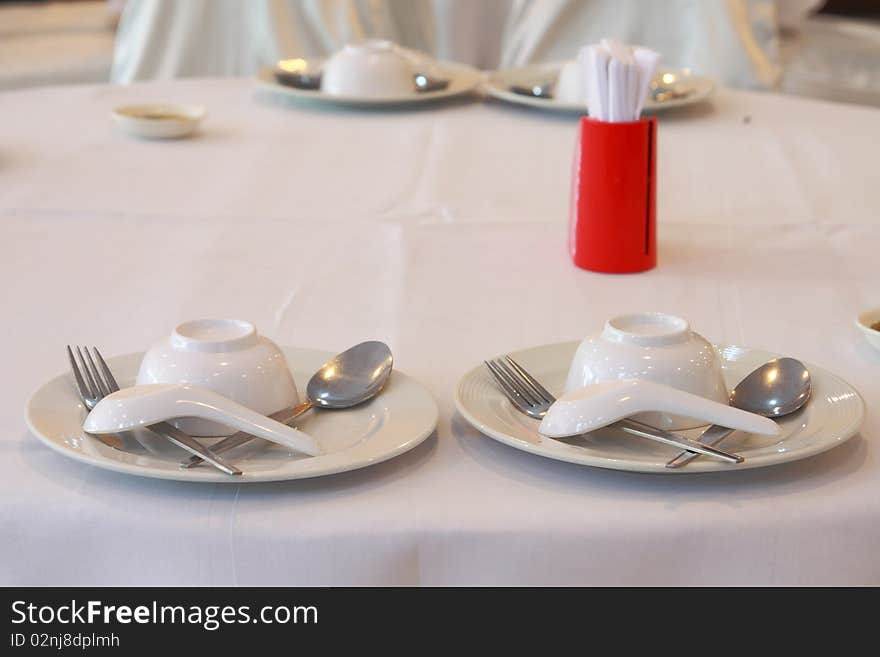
pixel 592 407
pixel 141 406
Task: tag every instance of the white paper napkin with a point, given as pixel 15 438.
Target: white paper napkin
pixel 617 78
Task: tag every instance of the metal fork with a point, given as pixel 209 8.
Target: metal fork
pixel 94 384
pixel 528 396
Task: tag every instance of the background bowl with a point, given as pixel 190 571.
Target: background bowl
pixel 227 356
pixel 570 84
pixel 655 347
pixel 371 69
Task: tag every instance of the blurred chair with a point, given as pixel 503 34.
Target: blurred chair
pixel 55 43
pixel 836 55
pixel 161 39
pixel 733 40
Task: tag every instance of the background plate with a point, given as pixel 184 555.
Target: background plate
pixel 462 79
pixel 499 82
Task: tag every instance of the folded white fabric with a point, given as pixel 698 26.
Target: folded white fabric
pixel 617 79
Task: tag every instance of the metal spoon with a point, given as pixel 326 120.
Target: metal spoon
pixel 427 84
pixel 779 387
pixel 307 81
pixel 350 378
pixel 540 90
pixel 661 94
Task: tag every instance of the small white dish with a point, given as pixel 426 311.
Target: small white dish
pixel 596 406
pixel 227 356
pixel 689 87
pixel 865 321
pixel 374 68
pixel 462 80
pixel 653 347
pixel 834 414
pixel 394 422
pixel 159 121
pixel 141 406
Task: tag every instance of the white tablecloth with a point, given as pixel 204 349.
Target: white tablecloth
pixel 441 231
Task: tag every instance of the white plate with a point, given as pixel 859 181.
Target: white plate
pixel 462 79
pixel 833 415
pixel 400 418
pixel 499 83
pixel 159 121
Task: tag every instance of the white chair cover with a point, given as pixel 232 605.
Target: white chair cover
pixel 733 40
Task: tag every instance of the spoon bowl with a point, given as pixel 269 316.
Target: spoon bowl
pixel 779 387
pixel 352 377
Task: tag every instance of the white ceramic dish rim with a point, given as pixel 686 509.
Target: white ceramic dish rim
pixel 865 318
pixel 355 457
pixel 561 451
pixel 497 83
pixel 189 113
pixel 462 79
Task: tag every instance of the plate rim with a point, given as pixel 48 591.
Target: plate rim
pixel 470 78
pixel 701 467
pixel 496 90
pixel 203 475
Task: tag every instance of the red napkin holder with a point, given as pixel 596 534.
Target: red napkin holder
pixel 613 227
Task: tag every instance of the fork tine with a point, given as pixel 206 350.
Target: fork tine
pixel 94 374
pixel 108 375
pixel 84 392
pixel 509 392
pixel 517 383
pixel 87 375
pixel 498 378
pixel 532 381
pixel 99 375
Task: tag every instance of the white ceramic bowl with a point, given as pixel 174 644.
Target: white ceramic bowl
pixel 159 121
pixel 369 69
pixel 656 347
pixel 864 322
pixel 227 356
pixel 570 84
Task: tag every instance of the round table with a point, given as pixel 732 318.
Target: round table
pixel 441 231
